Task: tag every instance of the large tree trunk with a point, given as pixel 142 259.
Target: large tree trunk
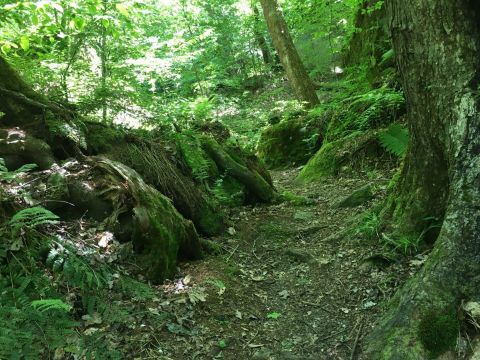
pixel 294 68
pixel 437 43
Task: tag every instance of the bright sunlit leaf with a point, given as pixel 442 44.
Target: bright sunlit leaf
pixel 25 43
pixel 122 9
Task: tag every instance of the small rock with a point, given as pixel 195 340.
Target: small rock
pixel 262 355
pixel 299 255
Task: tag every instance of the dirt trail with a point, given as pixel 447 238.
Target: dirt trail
pixel 291 283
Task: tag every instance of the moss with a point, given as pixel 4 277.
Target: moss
pixel 296 200
pixel 356 151
pixel 211 220
pixel 438 331
pixel 202 167
pixel 324 163
pixel 285 143
pixel 160 234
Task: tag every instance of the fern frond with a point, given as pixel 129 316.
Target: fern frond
pixel 25 168
pixel 50 304
pixel 3 168
pixel 31 218
pixel 395 139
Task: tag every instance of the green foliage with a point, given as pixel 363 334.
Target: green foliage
pixel 198 161
pixel 228 191
pixel 49 305
pixel 370 110
pixel 12 176
pixel 438 331
pixel 404 243
pixel 31 218
pixel 369 225
pixel 395 139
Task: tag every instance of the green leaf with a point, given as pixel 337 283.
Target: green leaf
pixel 35 19
pixel 6 48
pixel 395 139
pixel 122 9
pixel 25 43
pixel 273 315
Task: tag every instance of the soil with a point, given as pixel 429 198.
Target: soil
pixel 287 282
pixel 292 282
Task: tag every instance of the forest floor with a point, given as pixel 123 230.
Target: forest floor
pixel 291 282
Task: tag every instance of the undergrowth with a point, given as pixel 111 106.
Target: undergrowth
pixel 49 291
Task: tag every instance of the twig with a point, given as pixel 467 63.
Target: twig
pixel 233 252
pixel 357 338
pixel 253 248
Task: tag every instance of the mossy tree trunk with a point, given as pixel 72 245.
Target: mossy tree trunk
pixel 293 65
pixel 437 43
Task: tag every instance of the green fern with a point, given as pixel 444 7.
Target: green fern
pixel 395 139
pixel 31 218
pixel 9 176
pixel 50 304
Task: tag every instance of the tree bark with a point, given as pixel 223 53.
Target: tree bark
pixel 260 39
pixel 437 44
pixel 293 65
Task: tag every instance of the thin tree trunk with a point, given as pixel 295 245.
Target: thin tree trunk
pixel 437 43
pixel 261 42
pixel 103 60
pixel 294 68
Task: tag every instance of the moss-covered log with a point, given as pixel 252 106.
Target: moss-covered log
pixel 252 180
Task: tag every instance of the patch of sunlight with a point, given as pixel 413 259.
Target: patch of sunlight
pixel 337 70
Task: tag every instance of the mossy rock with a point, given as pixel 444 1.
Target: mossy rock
pixel 18 148
pixel 57 191
pixel 352 152
pixel 285 144
pixel 358 197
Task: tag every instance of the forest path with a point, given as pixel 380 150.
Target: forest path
pixel 291 283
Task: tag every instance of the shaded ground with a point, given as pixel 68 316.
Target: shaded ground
pixel 288 282
pixel 292 283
